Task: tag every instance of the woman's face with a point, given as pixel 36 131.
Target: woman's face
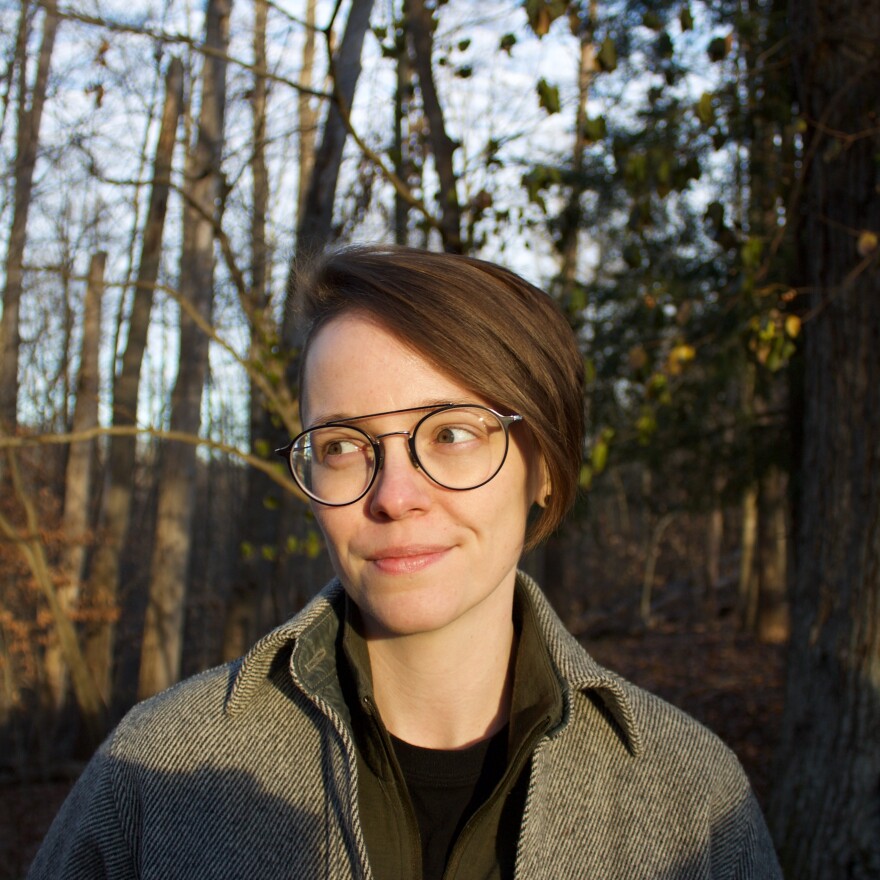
pixel 413 556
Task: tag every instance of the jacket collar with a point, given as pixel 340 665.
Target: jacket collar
pixel 310 639
pixel 581 672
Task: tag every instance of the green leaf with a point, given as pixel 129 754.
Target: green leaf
pixel 751 252
pixel 589 371
pixel 599 452
pixel 632 255
pixel 705 109
pixel 718 49
pixel 636 169
pixel 541 177
pixel 646 426
pixel 507 42
pixel 607 56
pixel 548 96
pixel 664 46
pixel 686 18
pixel 585 478
pixel 542 13
pixel 599 456
pixel 715 215
pixel 595 129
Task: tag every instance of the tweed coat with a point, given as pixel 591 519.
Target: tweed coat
pixel 249 771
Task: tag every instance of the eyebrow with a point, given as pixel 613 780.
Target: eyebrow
pixel 339 417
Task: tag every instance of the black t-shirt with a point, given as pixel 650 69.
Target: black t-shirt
pixel 446 787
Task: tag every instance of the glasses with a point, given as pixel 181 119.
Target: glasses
pixel 457 446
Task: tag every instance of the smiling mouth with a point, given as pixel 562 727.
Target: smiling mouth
pixel 406 560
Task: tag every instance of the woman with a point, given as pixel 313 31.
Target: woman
pixel 427 715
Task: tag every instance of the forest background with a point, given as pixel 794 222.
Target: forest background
pixel 694 181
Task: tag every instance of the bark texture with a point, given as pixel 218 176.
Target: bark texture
pixel 103 581
pixel 258 522
pixel 203 195
pixel 76 520
pixel 826 815
pixel 420 23
pixel 30 113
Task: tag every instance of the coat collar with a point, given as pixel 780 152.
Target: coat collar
pixel 310 640
pixel 580 672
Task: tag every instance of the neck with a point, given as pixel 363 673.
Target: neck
pixel 450 688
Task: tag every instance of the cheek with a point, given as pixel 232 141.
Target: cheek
pixel 329 525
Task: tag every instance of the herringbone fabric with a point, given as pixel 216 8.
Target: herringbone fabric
pixel 249 771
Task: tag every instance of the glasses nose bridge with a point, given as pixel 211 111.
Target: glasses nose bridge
pixel 410 442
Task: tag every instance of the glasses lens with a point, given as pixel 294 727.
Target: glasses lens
pixel 334 464
pixel 462 447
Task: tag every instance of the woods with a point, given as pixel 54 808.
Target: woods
pixel 696 183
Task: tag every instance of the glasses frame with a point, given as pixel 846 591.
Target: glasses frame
pixel 379 449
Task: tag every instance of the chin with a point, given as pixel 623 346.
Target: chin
pixel 408 614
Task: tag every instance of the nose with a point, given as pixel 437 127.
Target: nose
pixel 400 488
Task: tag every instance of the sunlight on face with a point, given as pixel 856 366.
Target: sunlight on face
pixel 413 556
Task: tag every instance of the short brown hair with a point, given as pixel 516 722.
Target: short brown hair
pixel 498 335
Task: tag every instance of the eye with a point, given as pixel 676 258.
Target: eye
pixel 341 447
pixel 336 449
pixel 450 434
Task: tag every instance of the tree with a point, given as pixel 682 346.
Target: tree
pixel 116 498
pixel 203 193
pixel 824 814
pixel 272 523
pixel 30 113
pixel 79 479
pixel 420 24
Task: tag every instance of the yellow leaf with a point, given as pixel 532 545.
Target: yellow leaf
pixel 585 478
pixel 793 326
pixel 678 357
pixel 684 353
pixel 599 456
pixel 867 243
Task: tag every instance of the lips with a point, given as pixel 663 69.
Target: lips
pixel 406 559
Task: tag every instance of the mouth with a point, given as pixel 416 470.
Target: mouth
pixel 407 559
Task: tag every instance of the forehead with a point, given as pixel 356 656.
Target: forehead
pixel 354 365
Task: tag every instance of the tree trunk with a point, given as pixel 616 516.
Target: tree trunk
pixel 569 245
pixel 103 582
pixel 825 810
pixel 747 593
pixel 78 482
pixel 769 112
pixel 420 23
pixel 314 225
pixel 257 530
pixel 30 113
pixel 714 543
pixel 404 166
pixel 308 116
pixel 314 233
pixel 772 611
pixel 203 194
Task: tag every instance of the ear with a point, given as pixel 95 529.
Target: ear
pixel 543 484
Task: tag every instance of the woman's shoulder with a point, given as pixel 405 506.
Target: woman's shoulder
pixel 229 706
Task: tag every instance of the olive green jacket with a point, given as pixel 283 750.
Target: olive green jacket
pixel 250 771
